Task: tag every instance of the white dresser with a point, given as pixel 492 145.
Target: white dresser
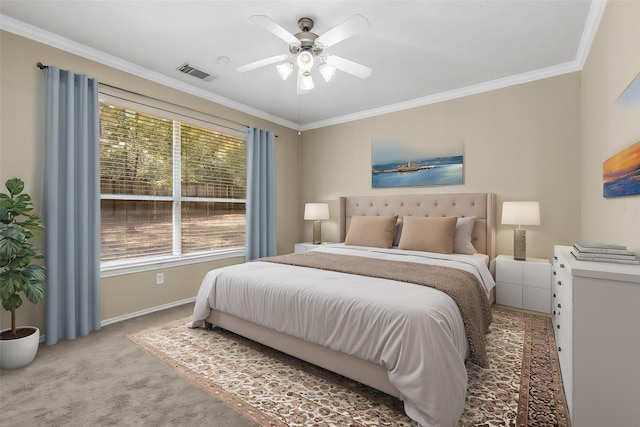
pixel 596 318
pixel 524 284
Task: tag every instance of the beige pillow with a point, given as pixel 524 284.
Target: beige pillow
pixel 376 231
pixel 429 234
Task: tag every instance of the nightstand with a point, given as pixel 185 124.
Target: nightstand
pixel 524 284
pixel 304 247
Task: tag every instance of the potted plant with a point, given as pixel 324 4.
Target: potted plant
pixel 18 346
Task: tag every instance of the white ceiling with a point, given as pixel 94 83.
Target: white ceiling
pixel 420 51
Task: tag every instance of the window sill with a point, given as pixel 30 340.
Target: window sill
pixel 111 269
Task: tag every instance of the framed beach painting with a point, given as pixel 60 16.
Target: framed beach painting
pixel 397 164
pixel 621 173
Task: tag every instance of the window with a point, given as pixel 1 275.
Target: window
pixel 169 189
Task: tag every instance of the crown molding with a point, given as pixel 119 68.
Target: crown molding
pixel 556 70
pixel 596 11
pixel 590 28
pixel 34 33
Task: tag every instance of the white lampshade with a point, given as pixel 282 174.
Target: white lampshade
pixel 305 60
pixel 285 70
pixel 327 71
pixel 316 211
pixel 306 82
pixel 521 213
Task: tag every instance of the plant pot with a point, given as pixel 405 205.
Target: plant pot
pixel 19 352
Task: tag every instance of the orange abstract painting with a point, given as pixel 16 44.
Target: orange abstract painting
pixel 621 173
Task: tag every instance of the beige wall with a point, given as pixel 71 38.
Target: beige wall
pixel 521 142
pixel 544 141
pixel 21 155
pixel 613 62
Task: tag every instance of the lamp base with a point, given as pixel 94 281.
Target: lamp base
pixel 316 233
pixel 520 244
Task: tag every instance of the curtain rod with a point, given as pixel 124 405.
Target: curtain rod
pixel 43 66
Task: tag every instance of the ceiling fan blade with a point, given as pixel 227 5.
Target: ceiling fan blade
pixel 261 63
pixel 352 26
pixel 350 67
pixel 275 28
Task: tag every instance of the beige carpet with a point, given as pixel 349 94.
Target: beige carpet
pixel 103 380
pixel 522 387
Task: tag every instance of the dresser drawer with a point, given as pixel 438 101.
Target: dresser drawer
pixel 562 285
pixel 523 284
pixel 562 308
pixel 536 299
pixel 536 275
pixel 509 272
pixel 509 294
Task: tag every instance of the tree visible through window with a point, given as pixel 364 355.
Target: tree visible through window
pixel 168 188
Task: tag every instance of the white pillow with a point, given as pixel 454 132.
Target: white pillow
pixel 462 236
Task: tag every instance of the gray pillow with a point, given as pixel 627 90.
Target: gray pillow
pixel 462 236
pixel 397 232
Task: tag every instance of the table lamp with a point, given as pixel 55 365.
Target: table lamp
pixel 316 212
pixel 520 213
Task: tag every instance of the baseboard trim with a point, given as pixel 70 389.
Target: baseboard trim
pixel 128 316
pixel 138 313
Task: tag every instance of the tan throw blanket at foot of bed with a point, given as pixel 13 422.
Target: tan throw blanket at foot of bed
pixel 463 287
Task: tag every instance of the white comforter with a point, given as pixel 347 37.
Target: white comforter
pixel 416 332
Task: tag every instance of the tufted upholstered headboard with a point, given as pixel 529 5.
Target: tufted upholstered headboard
pixel 480 205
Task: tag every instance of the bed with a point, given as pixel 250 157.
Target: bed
pixel 330 307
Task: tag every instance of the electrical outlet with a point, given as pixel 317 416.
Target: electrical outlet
pixel 159 278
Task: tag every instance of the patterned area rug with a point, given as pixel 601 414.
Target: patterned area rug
pixel 522 387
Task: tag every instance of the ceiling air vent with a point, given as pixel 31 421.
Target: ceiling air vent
pixel 193 71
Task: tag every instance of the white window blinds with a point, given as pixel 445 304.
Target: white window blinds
pixel 168 187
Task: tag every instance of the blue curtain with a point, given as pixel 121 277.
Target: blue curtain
pixel 71 210
pixel 261 194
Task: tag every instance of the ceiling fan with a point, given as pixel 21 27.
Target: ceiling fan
pixel 308 47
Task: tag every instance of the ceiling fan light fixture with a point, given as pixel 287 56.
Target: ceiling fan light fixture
pixel 306 82
pixel 305 60
pixel 306 46
pixel 285 70
pixel 327 71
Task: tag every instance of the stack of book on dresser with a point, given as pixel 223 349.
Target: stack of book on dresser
pixel 601 252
